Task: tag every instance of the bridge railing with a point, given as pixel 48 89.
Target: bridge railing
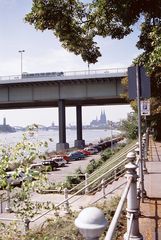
pixel 65 74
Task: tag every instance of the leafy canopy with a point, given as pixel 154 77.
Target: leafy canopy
pixel 76 23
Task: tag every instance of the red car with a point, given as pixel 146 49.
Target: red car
pixel 85 152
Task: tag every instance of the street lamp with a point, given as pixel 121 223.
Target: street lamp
pixel 21 52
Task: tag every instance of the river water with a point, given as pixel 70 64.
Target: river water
pixel 90 136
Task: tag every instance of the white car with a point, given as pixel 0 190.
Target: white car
pixel 92 150
pixel 60 161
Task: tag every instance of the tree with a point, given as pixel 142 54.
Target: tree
pixel 18 158
pixel 76 24
pixel 130 126
pixel 150 41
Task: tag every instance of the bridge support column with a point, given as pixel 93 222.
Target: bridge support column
pixel 62 145
pixel 79 142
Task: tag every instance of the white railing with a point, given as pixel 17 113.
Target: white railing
pixel 130 194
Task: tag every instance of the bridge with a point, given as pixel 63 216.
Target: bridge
pixel 62 89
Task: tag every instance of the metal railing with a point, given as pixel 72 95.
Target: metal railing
pixel 130 194
pixel 118 157
pixel 66 200
pixel 109 71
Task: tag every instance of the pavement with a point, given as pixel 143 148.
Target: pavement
pixel 150 220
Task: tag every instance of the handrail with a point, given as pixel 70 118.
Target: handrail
pixel 99 185
pixel 129 193
pixel 109 192
pixel 117 214
pixel 132 209
pixel 79 191
pixel 104 166
pixel 89 184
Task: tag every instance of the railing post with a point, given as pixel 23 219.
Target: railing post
pixel 8 202
pixel 86 183
pixel 132 203
pixel 138 176
pixel 66 204
pixel 147 139
pixel 1 202
pixel 144 154
pixel 103 188
pixel 115 174
pixel 91 222
pixel 26 224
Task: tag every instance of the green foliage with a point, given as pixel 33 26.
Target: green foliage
pixel 91 166
pixel 18 158
pixel 150 41
pixel 130 126
pixel 71 181
pixel 106 154
pixel 66 20
pixel 76 24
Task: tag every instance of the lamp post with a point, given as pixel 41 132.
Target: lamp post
pixel 21 52
pixel 111 136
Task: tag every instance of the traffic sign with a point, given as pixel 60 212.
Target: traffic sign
pixel 145 107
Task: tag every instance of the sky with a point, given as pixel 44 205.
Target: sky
pixel 43 53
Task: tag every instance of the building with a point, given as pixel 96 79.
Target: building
pixel 99 123
pixel 6 128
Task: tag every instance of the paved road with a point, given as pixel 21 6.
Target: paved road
pixel 61 173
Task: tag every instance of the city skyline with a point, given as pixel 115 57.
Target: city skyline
pixel 110 111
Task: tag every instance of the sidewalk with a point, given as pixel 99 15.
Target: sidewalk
pixel 150 221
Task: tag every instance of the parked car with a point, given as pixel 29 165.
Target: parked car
pixel 65 157
pixel 49 162
pixel 76 155
pixel 60 161
pixel 37 167
pixel 85 152
pixel 92 150
pixel 16 179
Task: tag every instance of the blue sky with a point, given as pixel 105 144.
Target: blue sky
pixel 44 53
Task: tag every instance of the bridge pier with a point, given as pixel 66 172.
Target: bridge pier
pixel 62 145
pixel 79 142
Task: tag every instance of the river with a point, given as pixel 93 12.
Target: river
pixel 90 136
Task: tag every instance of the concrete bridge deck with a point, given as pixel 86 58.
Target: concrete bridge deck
pixel 150 221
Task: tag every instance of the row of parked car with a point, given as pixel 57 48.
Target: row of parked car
pixel 57 161
pixel 61 160
pixel 16 179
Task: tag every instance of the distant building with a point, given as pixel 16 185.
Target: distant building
pixel 102 122
pixel 6 128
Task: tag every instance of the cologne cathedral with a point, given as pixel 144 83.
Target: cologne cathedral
pixel 102 122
